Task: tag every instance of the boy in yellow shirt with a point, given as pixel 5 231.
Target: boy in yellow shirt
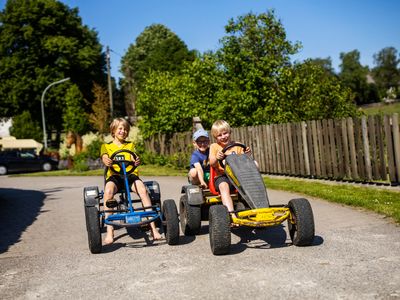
pixel 119 129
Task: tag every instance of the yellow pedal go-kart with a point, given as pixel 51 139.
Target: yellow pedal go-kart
pixel 252 207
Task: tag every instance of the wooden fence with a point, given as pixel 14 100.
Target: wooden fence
pixel 361 149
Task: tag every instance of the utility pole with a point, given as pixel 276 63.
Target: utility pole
pixel 109 82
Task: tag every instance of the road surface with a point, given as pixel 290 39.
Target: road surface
pixel 44 253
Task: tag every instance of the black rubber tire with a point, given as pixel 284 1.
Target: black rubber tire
pixel 93 229
pixel 220 230
pixel 240 206
pixel 171 227
pixel 190 217
pixel 302 232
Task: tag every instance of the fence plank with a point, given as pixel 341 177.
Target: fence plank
pixel 332 147
pixel 373 148
pixel 316 148
pixel 367 157
pixel 346 152
pixel 305 149
pixel 381 142
pixel 396 142
pixel 389 148
pixel 310 148
pixel 339 148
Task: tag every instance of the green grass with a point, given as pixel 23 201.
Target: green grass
pixel 144 170
pixel 378 200
pixel 384 109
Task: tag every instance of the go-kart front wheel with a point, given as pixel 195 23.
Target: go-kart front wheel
pixel 93 229
pixel 171 227
pixel 301 224
pixel 190 217
pixel 220 231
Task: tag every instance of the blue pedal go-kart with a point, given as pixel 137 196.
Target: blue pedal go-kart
pixel 165 215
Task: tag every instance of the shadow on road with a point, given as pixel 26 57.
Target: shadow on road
pixel 19 209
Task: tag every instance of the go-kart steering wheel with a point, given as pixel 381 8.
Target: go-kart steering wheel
pixel 118 161
pixel 229 147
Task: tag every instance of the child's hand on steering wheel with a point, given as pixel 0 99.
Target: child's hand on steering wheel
pixel 107 161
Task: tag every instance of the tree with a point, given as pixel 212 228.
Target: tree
pixel 386 73
pixel 101 109
pixel 23 127
pixel 354 76
pixel 254 53
pixel 167 102
pixel 40 42
pixel 156 49
pixel 74 117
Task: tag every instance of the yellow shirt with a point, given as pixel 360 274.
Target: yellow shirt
pixel 110 148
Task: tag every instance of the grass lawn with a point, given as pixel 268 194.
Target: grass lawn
pixel 378 200
pixel 384 109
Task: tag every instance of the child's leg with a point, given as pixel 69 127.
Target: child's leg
pixel 193 176
pixel 226 198
pixel 109 192
pixel 140 189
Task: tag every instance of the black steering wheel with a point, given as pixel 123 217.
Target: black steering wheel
pixel 226 148
pixel 118 160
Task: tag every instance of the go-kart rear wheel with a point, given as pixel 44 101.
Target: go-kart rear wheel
pixel 302 229
pixel 171 227
pixel 190 217
pixel 93 229
pixel 220 231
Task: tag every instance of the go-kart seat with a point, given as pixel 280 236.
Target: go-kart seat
pixel 211 184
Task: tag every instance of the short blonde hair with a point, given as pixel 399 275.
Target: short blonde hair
pixel 218 126
pixel 115 123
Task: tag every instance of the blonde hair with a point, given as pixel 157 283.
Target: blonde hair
pixel 218 126
pixel 115 123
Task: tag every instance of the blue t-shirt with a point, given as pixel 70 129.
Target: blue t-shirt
pixel 202 158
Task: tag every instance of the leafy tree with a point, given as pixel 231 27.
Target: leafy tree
pixel 41 42
pixel 156 49
pixel 23 127
pixel 168 102
pixel 354 76
pixel 74 117
pixel 325 63
pixel 249 81
pixel 311 94
pixel 386 73
pixel 101 109
pixel 254 53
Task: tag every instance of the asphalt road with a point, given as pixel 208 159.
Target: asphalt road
pixel 44 253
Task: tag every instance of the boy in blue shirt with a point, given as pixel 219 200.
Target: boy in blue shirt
pixel 199 172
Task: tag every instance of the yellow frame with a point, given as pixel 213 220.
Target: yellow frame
pixel 261 217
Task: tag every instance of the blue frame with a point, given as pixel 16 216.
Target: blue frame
pixel 132 217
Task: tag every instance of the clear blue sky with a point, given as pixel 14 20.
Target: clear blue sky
pixel 324 27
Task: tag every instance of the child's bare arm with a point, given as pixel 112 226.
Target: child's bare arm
pixel 106 160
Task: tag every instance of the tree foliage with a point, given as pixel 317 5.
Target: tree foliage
pixel 156 49
pixel 74 116
pixel 99 118
pixel 23 127
pixel 249 80
pixel 386 73
pixel 41 42
pixel 354 76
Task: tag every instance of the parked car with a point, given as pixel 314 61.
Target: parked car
pixel 21 161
